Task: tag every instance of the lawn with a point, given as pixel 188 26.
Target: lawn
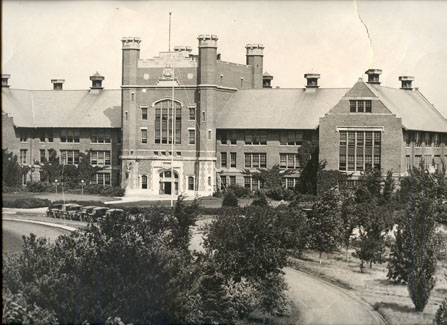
pixel 56 197
pixel 390 300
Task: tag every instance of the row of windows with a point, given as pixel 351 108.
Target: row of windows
pixel 286 160
pixel 192 113
pixel 359 150
pixel 253 184
pixel 360 106
pixel 255 160
pixel 427 160
pixel 223 159
pixel 259 137
pixel 100 158
pixel 71 157
pixel 224 183
pixel 69 135
pixel 191 181
pixel 191 137
pixel 430 139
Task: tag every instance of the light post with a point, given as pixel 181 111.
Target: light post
pixel 82 188
pixel 55 183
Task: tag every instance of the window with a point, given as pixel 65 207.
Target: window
pixel 23 159
pixel 69 157
pixel 291 137
pixel 203 116
pixel 144 182
pixel 100 158
pixel 359 150
pixel 288 160
pixel 192 113
pixel 100 179
pixel 223 182
pixel 223 137
pixel 42 135
pixel 255 160
pixel 290 182
pixel 166 112
pixel 209 181
pixel 223 159
pixel 23 136
pixel 107 179
pixel 255 137
pixel 191 183
pixel 144 113
pixel 232 180
pixel 436 140
pixel 232 159
pixel 43 159
pixel 192 136
pixel 247 182
pixel 70 135
pixel 417 139
pixel 417 161
pixel 407 163
pixel 427 162
pixel 100 136
pixel 437 162
pixel 360 106
pixel 143 135
pixel 50 135
pixel 233 138
pixel 407 137
pixel 427 139
pixel 209 134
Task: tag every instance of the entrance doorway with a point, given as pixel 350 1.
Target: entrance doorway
pixel 167 183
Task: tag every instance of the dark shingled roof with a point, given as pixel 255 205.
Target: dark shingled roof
pixel 63 108
pixel 278 108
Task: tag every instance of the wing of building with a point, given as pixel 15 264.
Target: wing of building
pixel 192 123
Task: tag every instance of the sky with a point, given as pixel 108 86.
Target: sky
pixel 44 40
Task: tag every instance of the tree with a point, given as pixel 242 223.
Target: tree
pixel 441 314
pixel 388 188
pixel 419 236
pixel 272 180
pixel 51 169
pixel 11 170
pixel 185 216
pixel 260 200
pixel 308 158
pixel 230 199
pixel 349 218
pixel 325 222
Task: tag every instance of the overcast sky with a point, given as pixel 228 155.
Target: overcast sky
pixel 72 40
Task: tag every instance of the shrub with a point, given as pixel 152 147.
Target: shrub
pixel 239 191
pixel 28 203
pixel 230 200
pixel 260 200
pixel 441 314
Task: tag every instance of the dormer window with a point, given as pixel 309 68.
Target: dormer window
pixel 360 106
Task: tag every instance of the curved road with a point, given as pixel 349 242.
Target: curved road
pixel 318 302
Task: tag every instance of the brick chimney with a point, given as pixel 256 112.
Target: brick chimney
pixel 373 76
pixel 407 82
pixel 312 80
pixel 5 78
pixel 97 80
pixel 57 83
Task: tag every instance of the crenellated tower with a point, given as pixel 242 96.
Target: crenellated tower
pixel 255 58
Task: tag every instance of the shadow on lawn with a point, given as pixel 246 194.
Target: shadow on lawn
pixel 394 306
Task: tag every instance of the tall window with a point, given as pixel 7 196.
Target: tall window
pixel 232 180
pixel 143 135
pixel 23 159
pixel 144 182
pixel 437 162
pixel 407 137
pixel 436 140
pixel 192 136
pixel 23 136
pixel 288 160
pixel 417 139
pixel 165 112
pixel 102 178
pixel 43 159
pixel 417 161
pixel 223 182
pixel 192 113
pixel 360 106
pixel 42 135
pixel 255 160
pixel 50 135
pixel 427 139
pixel 407 163
pixel 100 136
pixel 427 162
pixel 69 157
pixel 232 159
pixel 191 183
pixel 144 113
pixel 359 150
pixel 223 159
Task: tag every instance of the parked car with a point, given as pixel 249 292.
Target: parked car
pixel 54 210
pixel 86 212
pixel 98 212
pixel 69 210
pixel 114 211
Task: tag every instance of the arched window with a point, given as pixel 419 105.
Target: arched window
pixel 191 183
pixel 164 115
pixel 144 182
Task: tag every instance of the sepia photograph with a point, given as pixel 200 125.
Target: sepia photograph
pixel 224 162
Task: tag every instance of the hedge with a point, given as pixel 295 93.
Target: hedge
pixel 28 203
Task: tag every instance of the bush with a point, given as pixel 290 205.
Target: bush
pixel 39 187
pixel 230 200
pixel 280 193
pixel 260 200
pixel 28 203
pixel 441 314
pixel 238 191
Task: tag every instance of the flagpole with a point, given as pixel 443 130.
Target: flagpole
pixel 173 138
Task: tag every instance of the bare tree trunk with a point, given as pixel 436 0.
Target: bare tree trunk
pixel 320 257
pixel 361 266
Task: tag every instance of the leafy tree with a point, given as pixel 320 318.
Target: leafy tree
pixel 272 180
pixel 349 218
pixel 51 169
pixel 398 261
pixel 11 170
pixel 185 216
pixel 230 199
pixel 86 171
pixel 325 222
pixel 388 188
pixel 260 200
pixel 441 314
pixel 310 165
pixel 327 179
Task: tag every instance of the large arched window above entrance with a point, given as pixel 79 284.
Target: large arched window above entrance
pixel 167 111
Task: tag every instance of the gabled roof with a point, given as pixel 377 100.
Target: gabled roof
pixel 63 108
pixel 278 108
pixel 416 111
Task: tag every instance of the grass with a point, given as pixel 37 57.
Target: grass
pixel 56 197
pixel 390 300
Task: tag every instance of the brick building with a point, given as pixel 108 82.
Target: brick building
pixel 192 123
